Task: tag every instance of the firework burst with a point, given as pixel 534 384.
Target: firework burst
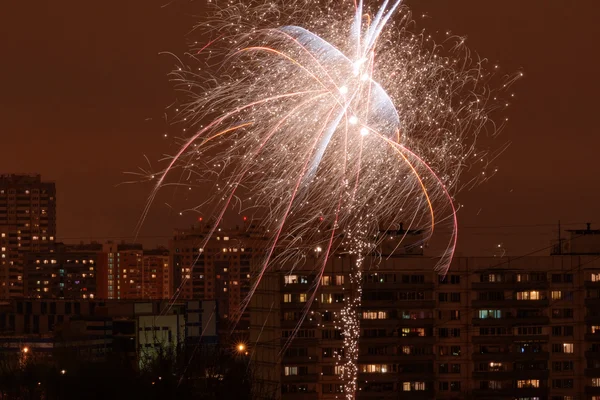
pixel 331 120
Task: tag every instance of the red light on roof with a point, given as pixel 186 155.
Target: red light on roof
pixel 245 218
pixel 320 218
pixel 200 219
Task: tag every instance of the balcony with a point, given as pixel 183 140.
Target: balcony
pixel 592 354
pixel 592 319
pixel 363 394
pixel 398 340
pixel 397 323
pixel 398 358
pixel 510 285
pixel 542 355
pixel 592 303
pixel 510 393
pixel 298 341
pixel 592 390
pixel 300 359
pixel 592 337
pixel 380 323
pixel 397 285
pixel 300 396
pixel 511 321
pixel 308 378
pixel 415 323
pixel 511 375
pixel 591 285
pixel 592 372
pixel 503 339
pixel 395 304
pixel 510 303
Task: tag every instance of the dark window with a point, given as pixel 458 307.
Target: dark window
pixel 36 324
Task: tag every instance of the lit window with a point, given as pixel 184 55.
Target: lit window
pixel 596 277
pixel 225 237
pixel 290 371
pixel 596 382
pixel 496 366
pixel 568 347
pixel 374 314
pixel 326 298
pixel 556 295
pixel 290 279
pixel 302 297
pixel 287 297
pixel 528 383
pixel 490 314
pixel 595 328
pixel 326 280
pixel 408 386
pixel 530 295
pixel 339 280
pixel 374 368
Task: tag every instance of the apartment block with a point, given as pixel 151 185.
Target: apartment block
pixel 63 272
pixel 492 328
pixel 27 224
pixel 218 267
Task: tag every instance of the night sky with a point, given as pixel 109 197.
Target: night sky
pixel 84 90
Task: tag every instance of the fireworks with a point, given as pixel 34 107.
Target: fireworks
pixel 331 121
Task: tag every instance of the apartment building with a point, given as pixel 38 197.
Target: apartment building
pixel 218 267
pixel 62 272
pixel 492 328
pixel 27 224
pixel 156 274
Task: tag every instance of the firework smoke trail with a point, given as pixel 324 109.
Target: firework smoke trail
pixel 331 121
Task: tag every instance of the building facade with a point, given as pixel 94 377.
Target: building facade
pixel 27 224
pixel 217 268
pixel 63 272
pixel 492 328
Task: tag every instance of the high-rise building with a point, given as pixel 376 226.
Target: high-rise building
pixel 156 274
pixel 27 224
pixel 127 271
pixel 63 272
pixel 217 267
pixel 492 328
pixel 120 271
